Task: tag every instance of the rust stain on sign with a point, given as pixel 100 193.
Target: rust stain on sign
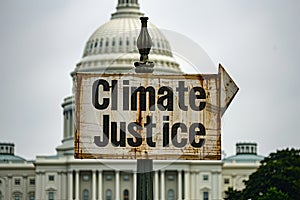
pixel 146 116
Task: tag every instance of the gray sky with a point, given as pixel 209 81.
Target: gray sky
pixel 256 41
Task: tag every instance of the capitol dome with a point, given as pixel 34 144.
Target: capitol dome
pixel 112 47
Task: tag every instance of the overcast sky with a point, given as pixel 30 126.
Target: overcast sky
pixel 256 41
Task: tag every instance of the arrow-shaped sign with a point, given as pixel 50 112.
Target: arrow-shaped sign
pixel 137 116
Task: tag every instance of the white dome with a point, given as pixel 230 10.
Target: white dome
pixel 112 47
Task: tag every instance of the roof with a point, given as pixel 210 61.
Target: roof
pixel 244 158
pixel 5 158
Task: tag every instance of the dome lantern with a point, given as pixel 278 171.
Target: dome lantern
pixel 127 8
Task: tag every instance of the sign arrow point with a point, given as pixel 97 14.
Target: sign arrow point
pixel 228 89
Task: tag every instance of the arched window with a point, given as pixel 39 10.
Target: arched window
pixel 171 195
pixel 126 195
pixel 31 196
pixel 0 195
pixel 107 42
pixel 51 195
pixel 91 45
pixel 96 43
pixel 108 194
pixel 85 194
pixel 205 195
pixel 17 196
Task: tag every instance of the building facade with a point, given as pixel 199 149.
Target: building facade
pixel 112 49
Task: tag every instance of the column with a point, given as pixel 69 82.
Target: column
pixel 72 122
pixel 162 185
pixel 59 190
pixel 216 191
pixel 100 185
pixel 94 185
pixel 186 185
pixel 234 186
pixel 192 185
pixel 67 123
pixel 179 185
pixel 37 185
pixel 77 185
pixel 10 186
pixel 70 195
pixel 43 182
pixel 63 185
pixel 156 194
pixel 26 185
pixel 117 187
pixel 134 186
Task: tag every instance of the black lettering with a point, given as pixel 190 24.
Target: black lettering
pixel 125 95
pixel 142 94
pixel 166 128
pixel 149 127
pixel 167 97
pixel 114 95
pixel 138 138
pixel 114 139
pixel 193 96
pixel 193 133
pixel 181 95
pixel 97 139
pixel 175 128
pixel 95 94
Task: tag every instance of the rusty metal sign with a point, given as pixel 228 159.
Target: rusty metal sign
pixel 146 116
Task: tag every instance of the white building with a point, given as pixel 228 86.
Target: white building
pixel 112 48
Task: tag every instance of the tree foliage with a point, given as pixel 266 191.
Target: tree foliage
pixel 278 175
pixel 273 194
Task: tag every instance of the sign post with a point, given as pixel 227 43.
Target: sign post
pixel 144 166
pixel 144 116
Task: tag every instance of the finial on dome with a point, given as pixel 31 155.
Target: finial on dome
pixel 127 8
pixel 144 44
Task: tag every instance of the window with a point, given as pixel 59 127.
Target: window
pixel 108 194
pixel 226 181
pixel 101 42
pixel 205 177
pixel 85 194
pixel 126 195
pixel 32 181
pixel 51 195
pixel 170 177
pixel 108 177
pixel 126 177
pixel 17 181
pixel 17 196
pixel 205 195
pixel 171 195
pixel 0 195
pixel 85 177
pixel 31 196
pixel 51 178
